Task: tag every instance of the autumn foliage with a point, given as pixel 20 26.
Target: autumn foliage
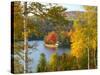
pixel 51 38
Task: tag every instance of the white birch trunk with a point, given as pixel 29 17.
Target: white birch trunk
pixel 25 39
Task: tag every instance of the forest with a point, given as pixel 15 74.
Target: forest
pixel 55 26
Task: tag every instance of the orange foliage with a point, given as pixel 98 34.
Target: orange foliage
pixel 51 38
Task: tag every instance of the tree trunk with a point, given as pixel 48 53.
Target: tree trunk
pixel 88 58
pixel 25 39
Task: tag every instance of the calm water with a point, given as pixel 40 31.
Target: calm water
pixel 38 48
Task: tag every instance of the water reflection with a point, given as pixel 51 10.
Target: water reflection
pixel 37 47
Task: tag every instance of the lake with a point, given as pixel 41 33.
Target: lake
pixel 38 48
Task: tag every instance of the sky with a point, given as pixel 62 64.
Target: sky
pixel 71 7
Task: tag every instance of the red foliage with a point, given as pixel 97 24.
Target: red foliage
pixel 51 38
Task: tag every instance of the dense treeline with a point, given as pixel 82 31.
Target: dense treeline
pixel 60 63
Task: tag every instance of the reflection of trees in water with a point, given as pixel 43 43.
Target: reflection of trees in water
pixel 33 46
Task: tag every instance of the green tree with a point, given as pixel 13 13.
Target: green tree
pixel 56 14
pixel 53 62
pixel 68 62
pixel 42 66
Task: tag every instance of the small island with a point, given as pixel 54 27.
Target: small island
pixel 50 41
